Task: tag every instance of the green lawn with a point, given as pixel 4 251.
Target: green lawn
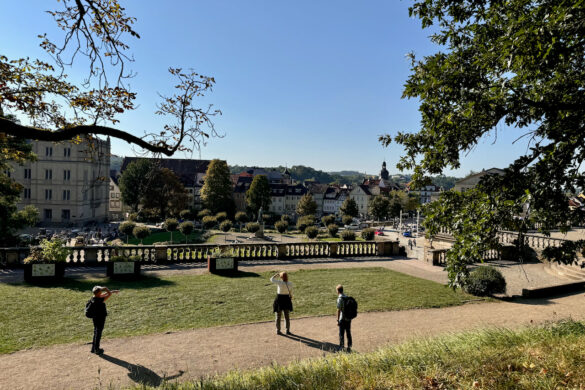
pixel 547 357
pixel 32 316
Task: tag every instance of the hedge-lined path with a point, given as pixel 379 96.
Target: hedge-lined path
pixel 196 353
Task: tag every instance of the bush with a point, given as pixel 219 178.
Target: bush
pixel 281 226
pixel 368 234
pixel 203 213
pixel 304 222
pixel 241 217
pixel 333 229
pixel 311 231
pixel 286 218
pixel 220 217
pixel 133 217
pixel 348 235
pixel 126 228
pixel 252 227
pixel 50 251
pixel 186 228
pixel 347 219
pixel 208 221
pixel 328 220
pixel 185 214
pixel 141 232
pixel 485 281
pixel 171 224
pixel 225 226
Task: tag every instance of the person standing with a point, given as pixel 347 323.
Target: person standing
pixel 100 296
pixel 283 301
pixel 343 323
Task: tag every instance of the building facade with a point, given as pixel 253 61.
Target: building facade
pixel 69 182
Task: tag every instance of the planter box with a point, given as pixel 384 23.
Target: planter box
pixel 44 272
pixel 222 265
pixel 123 269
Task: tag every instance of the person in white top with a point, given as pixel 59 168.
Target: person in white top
pixel 283 300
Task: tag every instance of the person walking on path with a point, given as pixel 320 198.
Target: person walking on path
pixel 100 295
pixel 283 300
pixel 343 323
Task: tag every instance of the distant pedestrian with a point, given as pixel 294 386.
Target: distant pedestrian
pixel 98 314
pixel 414 242
pixel 283 301
pixel 410 244
pixel 343 322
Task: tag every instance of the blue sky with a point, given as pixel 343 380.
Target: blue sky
pixel 299 83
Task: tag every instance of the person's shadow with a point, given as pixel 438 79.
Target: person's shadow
pixel 322 345
pixel 141 374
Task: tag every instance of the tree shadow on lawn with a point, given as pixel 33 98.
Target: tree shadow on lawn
pixel 84 285
pixel 239 274
pixel 321 345
pixel 140 374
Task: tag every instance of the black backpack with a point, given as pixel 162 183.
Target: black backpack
pixel 90 309
pixel 350 308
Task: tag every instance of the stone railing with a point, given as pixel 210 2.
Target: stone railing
pixel 532 240
pixel 91 255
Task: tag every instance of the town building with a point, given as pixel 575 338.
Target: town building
pixel 68 183
pixel 472 180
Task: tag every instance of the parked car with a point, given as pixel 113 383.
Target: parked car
pixel 379 232
pixel 352 227
pixel 407 234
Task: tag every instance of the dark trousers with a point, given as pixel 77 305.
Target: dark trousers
pixel 344 327
pixel 98 328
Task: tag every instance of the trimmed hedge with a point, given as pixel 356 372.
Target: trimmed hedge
pixel 311 231
pixel 348 235
pixel 368 234
pixel 485 281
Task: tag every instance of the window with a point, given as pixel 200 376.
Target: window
pixel 48 213
pixel 67 152
pixel 48 174
pixel 49 151
pixel 66 194
pixel 66 174
pixel 27 173
pixel 65 214
pixel 48 194
pixel 26 194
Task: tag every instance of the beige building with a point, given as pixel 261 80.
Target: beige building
pixel 361 195
pixel 472 180
pixel 68 183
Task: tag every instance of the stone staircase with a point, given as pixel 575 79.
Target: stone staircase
pixel 573 272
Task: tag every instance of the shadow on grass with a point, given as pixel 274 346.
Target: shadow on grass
pixel 84 285
pixel 140 374
pixel 239 274
pixel 321 345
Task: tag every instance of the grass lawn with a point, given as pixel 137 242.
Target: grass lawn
pixel 32 316
pixel 548 357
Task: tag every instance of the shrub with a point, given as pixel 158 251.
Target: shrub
pixel 286 218
pixel 311 231
pixel 186 228
pixel 50 251
pixel 203 213
pixel 347 219
pixel 133 217
pixel 171 224
pixel 348 235
pixel 304 222
pixel 368 234
pixel 126 228
pixel 141 232
pixel 225 226
pixel 220 217
pixel 485 281
pixel 252 227
pixel 241 217
pixel 185 214
pixel 208 222
pixel 328 220
pixel 333 229
pixel 281 226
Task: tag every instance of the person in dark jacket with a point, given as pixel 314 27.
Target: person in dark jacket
pixel 100 296
pixel 344 324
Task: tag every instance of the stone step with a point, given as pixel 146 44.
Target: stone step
pixel 569 271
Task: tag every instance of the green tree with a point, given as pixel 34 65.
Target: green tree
pixel 281 226
pixel 57 110
pixel 349 207
pixel 170 226
pixel 127 228
pixel 328 220
pixel 514 63
pixel 141 232
pixel 332 229
pixel 241 217
pixel 311 232
pixel 258 195
pixel 186 228
pixel 379 207
pixel 133 182
pixel 217 190
pixel 165 193
pixel 203 213
pixel 208 222
pixel 306 205
pixel 221 216
pixel 225 226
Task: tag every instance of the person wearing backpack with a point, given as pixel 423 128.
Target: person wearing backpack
pixel 346 311
pixel 96 310
pixel 283 300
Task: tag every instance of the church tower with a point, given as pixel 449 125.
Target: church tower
pixel 384 175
